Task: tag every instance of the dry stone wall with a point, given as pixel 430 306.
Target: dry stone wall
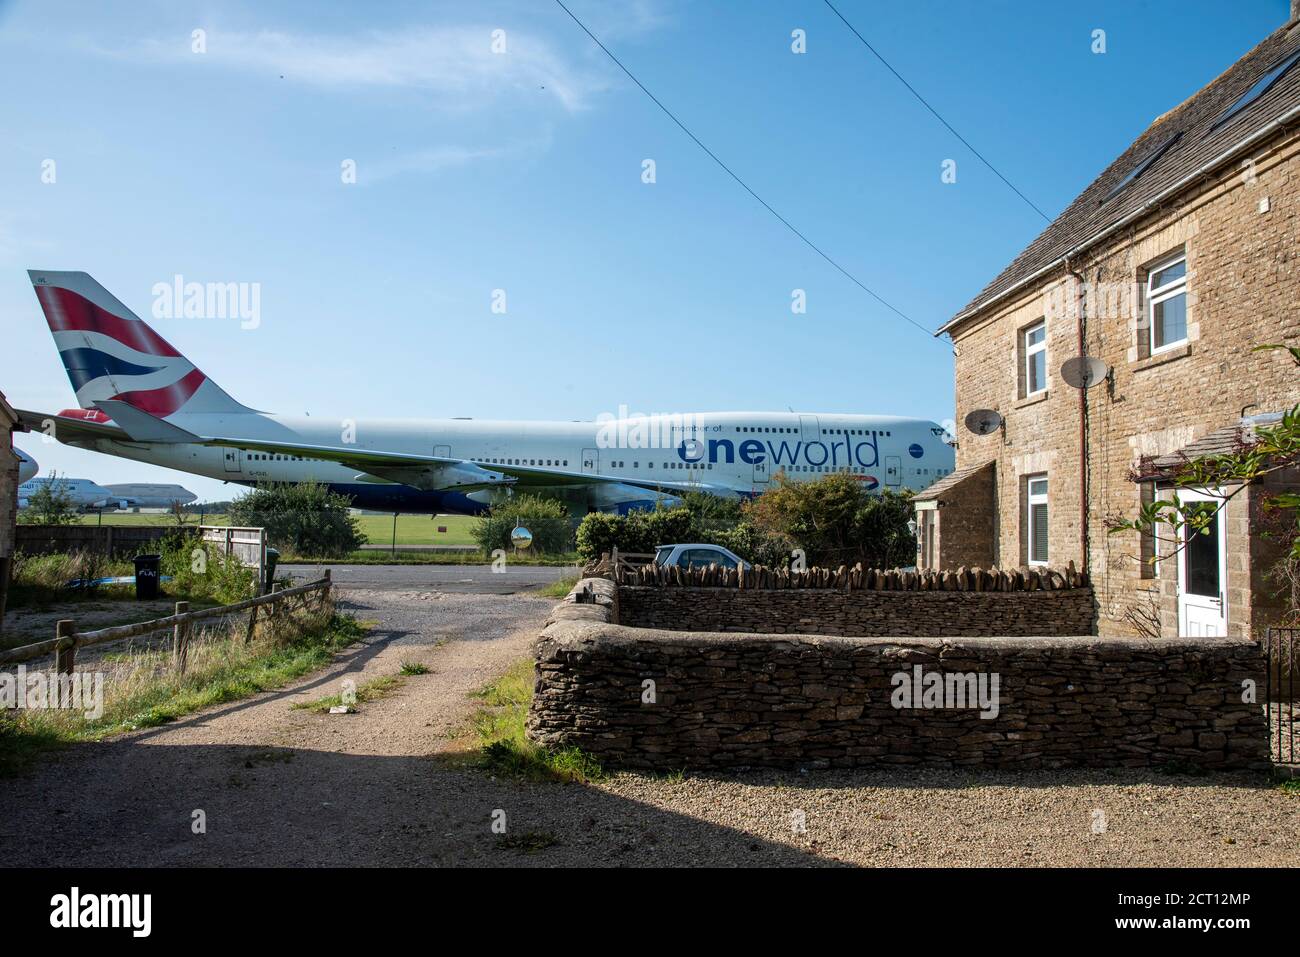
pixel 859 613
pixel 664 700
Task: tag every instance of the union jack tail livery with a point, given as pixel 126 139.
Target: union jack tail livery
pixel 111 353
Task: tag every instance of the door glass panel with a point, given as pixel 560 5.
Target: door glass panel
pixel 1202 557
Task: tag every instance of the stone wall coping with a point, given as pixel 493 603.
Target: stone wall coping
pixel 573 625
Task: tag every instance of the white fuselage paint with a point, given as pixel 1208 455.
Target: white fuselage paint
pixel 736 453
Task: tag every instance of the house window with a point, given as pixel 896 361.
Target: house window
pixel 1167 303
pixel 1035 353
pixel 1036 513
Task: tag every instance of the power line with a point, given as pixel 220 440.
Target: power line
pixel 766 205
pixel 911 89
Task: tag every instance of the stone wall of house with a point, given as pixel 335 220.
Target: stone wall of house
pixel 1242 288
pixel 859 613
pixel 667 700
pixel 964 522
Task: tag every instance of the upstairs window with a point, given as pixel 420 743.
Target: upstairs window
pixel 1036 518
pixel 1167 303
pixel 1035 352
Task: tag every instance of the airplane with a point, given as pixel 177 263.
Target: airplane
pixel 150 495
pixel 27 467
pixel 84 493
pixel 141 399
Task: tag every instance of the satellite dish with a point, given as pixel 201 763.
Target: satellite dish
pixel 983 421
pixel 1083 372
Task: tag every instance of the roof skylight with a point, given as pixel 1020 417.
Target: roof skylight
pixel 1141 167
pixel 1258 89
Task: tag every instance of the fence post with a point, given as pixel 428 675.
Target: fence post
pixel 252 624
pixel 325 592
pixel 275 605
pixel 65 659
pixel 181 637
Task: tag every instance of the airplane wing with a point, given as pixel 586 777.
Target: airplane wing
pixel 417 471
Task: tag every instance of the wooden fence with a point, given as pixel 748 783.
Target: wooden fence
pixel 114 541
pixel 857 578
pixel 63 646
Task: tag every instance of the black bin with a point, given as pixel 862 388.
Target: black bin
pixel 147 574
pixel 272 559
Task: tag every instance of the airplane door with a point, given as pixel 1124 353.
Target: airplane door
pixel 809 428
pixel 442 451
pixel 591 461
pixel 893 470
pixel 232 460
pixel 760 472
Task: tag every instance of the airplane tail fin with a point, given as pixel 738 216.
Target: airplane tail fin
pixel 110 353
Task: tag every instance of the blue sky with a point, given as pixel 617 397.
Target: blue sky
pixel 522 171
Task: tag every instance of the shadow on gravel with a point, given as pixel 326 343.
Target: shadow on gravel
pixel 905 778
pixel 129 803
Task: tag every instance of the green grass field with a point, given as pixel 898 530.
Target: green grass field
pixel 411 529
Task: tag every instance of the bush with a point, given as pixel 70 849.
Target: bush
pixel 304 519
pixel 599 533
pixel 546 518
pixel 836 521
pixel 697 520
pixel 199 570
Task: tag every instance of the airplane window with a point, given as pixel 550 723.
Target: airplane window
pixel 566 463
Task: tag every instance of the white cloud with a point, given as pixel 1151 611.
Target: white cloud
pixel 456 67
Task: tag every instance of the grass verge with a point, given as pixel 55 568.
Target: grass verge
pixel 503 746
pixel 558 588
pixel 143 690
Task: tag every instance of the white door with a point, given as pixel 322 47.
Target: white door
pixel 591 461
pixel 1202 575
pixel 232 458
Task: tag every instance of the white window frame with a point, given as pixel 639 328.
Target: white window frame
pixel 1031 499
pixel 1159 294
pixel 1032 350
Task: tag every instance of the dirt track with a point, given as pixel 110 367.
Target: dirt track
pixel 285 786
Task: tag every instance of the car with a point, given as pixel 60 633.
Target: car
pixel 698 555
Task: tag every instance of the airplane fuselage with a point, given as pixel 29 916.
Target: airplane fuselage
pixel 728 453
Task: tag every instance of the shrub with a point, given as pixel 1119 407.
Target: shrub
pixel 695 521
pixel 836 521
pixel 546 518
pixel 199 570
pixel 305 519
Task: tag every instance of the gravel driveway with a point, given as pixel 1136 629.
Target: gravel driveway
pixel 293 787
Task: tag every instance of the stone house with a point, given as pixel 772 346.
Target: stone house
pixel 8 498
pixel 1182 256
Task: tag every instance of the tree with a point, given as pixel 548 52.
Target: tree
pixel 1273 448
pixel 305 519
pixel 51 504
pixel 837 521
